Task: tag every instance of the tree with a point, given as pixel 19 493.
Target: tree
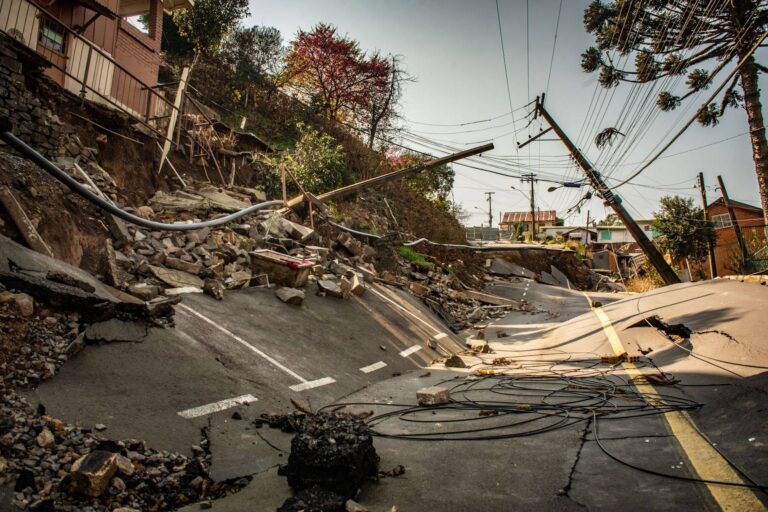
pixel 317 161
pixel 377 112
pixel 684 231
pixel 610 220
pixel 254 52
pixel 208 22
pixel 333 74
pixel 673 37
pixel 434 183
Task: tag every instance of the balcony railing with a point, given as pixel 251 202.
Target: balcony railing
pixel 82 67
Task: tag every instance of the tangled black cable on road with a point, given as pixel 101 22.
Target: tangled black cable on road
pixel 505 407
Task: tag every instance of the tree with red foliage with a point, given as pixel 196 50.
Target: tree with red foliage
pixel 331 72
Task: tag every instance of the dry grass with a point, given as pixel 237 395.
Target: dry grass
pixel 641 284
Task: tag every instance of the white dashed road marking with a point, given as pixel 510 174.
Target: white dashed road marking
pixel 439 336
pixel 373 367
pixel 409 351
pixel 313 384
pixel 216 406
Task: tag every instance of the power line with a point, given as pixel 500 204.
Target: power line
pixel 506 71
pixel 554 46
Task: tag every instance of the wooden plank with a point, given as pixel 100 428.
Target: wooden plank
pixel 19 217
pixel 174 115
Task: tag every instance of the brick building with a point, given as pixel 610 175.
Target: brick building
pixel 93 49
pixel 752 224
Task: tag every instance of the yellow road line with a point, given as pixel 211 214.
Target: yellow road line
pixel 706 461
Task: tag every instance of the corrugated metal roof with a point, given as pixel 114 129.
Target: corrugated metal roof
pixel 541 216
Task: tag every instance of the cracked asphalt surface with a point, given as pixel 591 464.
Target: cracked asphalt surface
pixel 138 388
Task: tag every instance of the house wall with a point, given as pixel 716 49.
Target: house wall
pixel 727 248
pixel 24 98
pixel 139 54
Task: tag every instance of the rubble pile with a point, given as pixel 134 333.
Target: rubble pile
pixel 55 466
pixel 34 341
pixel 332 455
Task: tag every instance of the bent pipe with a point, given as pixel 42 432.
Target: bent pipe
pixel 31 154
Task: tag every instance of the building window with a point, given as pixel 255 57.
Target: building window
pixel 53 35
pixel 722 221
pixel 646 228
pixel 605 236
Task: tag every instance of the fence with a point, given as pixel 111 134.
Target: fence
pixel 82 67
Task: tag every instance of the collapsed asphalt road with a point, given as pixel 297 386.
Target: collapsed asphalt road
pixel 252 348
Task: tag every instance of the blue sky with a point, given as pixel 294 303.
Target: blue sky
pixel 452 48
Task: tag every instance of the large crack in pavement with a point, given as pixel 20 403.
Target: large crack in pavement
pixel 566 490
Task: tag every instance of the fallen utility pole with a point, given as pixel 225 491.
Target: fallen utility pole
pixel 734 220
pixel 377 180
pixel 710 244
pixel 654 256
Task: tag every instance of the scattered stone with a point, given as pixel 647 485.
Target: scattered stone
pixel 144 291
pixel 315 499
pixel 45 439
pixel 184 266
pixel 214 288
pixel 358 287
pixel 171 292
pixel 176 278
pixel 434 395
pixel 479 346
pixel 91 473
pixel 124 465
pixel 23 302
pixel 290 295
pixel 329 287
pixel 353 506
pixel 455 362
pixel 100 426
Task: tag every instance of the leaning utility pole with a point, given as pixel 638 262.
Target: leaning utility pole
pixel 711 243
pixel 490 208
pixel 588 237
pixel 612 200
pixel 525 178
pixel 734 221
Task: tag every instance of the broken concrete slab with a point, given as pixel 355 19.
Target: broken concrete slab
pixel 455 362
pixel 434 395
pixel 547 278
pixel 487 298
pixel 176 278
pixel 560 277
pixel 502 267
pixel 115 330
pixel 290 295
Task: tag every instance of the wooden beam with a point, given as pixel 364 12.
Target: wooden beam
pixel 19 217
pixel 174 115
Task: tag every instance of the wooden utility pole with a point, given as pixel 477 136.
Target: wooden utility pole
pixel 654 256
pixel 174 114
pixel 525 178
pixel 734 221
pixel 490 208
pixel 588 237
pixel 711 243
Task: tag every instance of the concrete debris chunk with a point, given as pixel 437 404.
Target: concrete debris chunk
pixel 172 292
pixel 353 506
pixel 144 291
pixel 92 473
pixel 560 277
pixel 45 439
pixel 434 395
pixel 214 288
pixel 176 278
pixel 358 287
pixel 23 302
pixel 290 295
pixel 281 227
pixel 479 346
pixel 329 287
pixel 455 362
pixel 124 465
pixel 185 266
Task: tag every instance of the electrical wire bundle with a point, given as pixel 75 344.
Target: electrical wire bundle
pixel 511 406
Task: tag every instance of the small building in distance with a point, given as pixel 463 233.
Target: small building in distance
pixel 544 219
